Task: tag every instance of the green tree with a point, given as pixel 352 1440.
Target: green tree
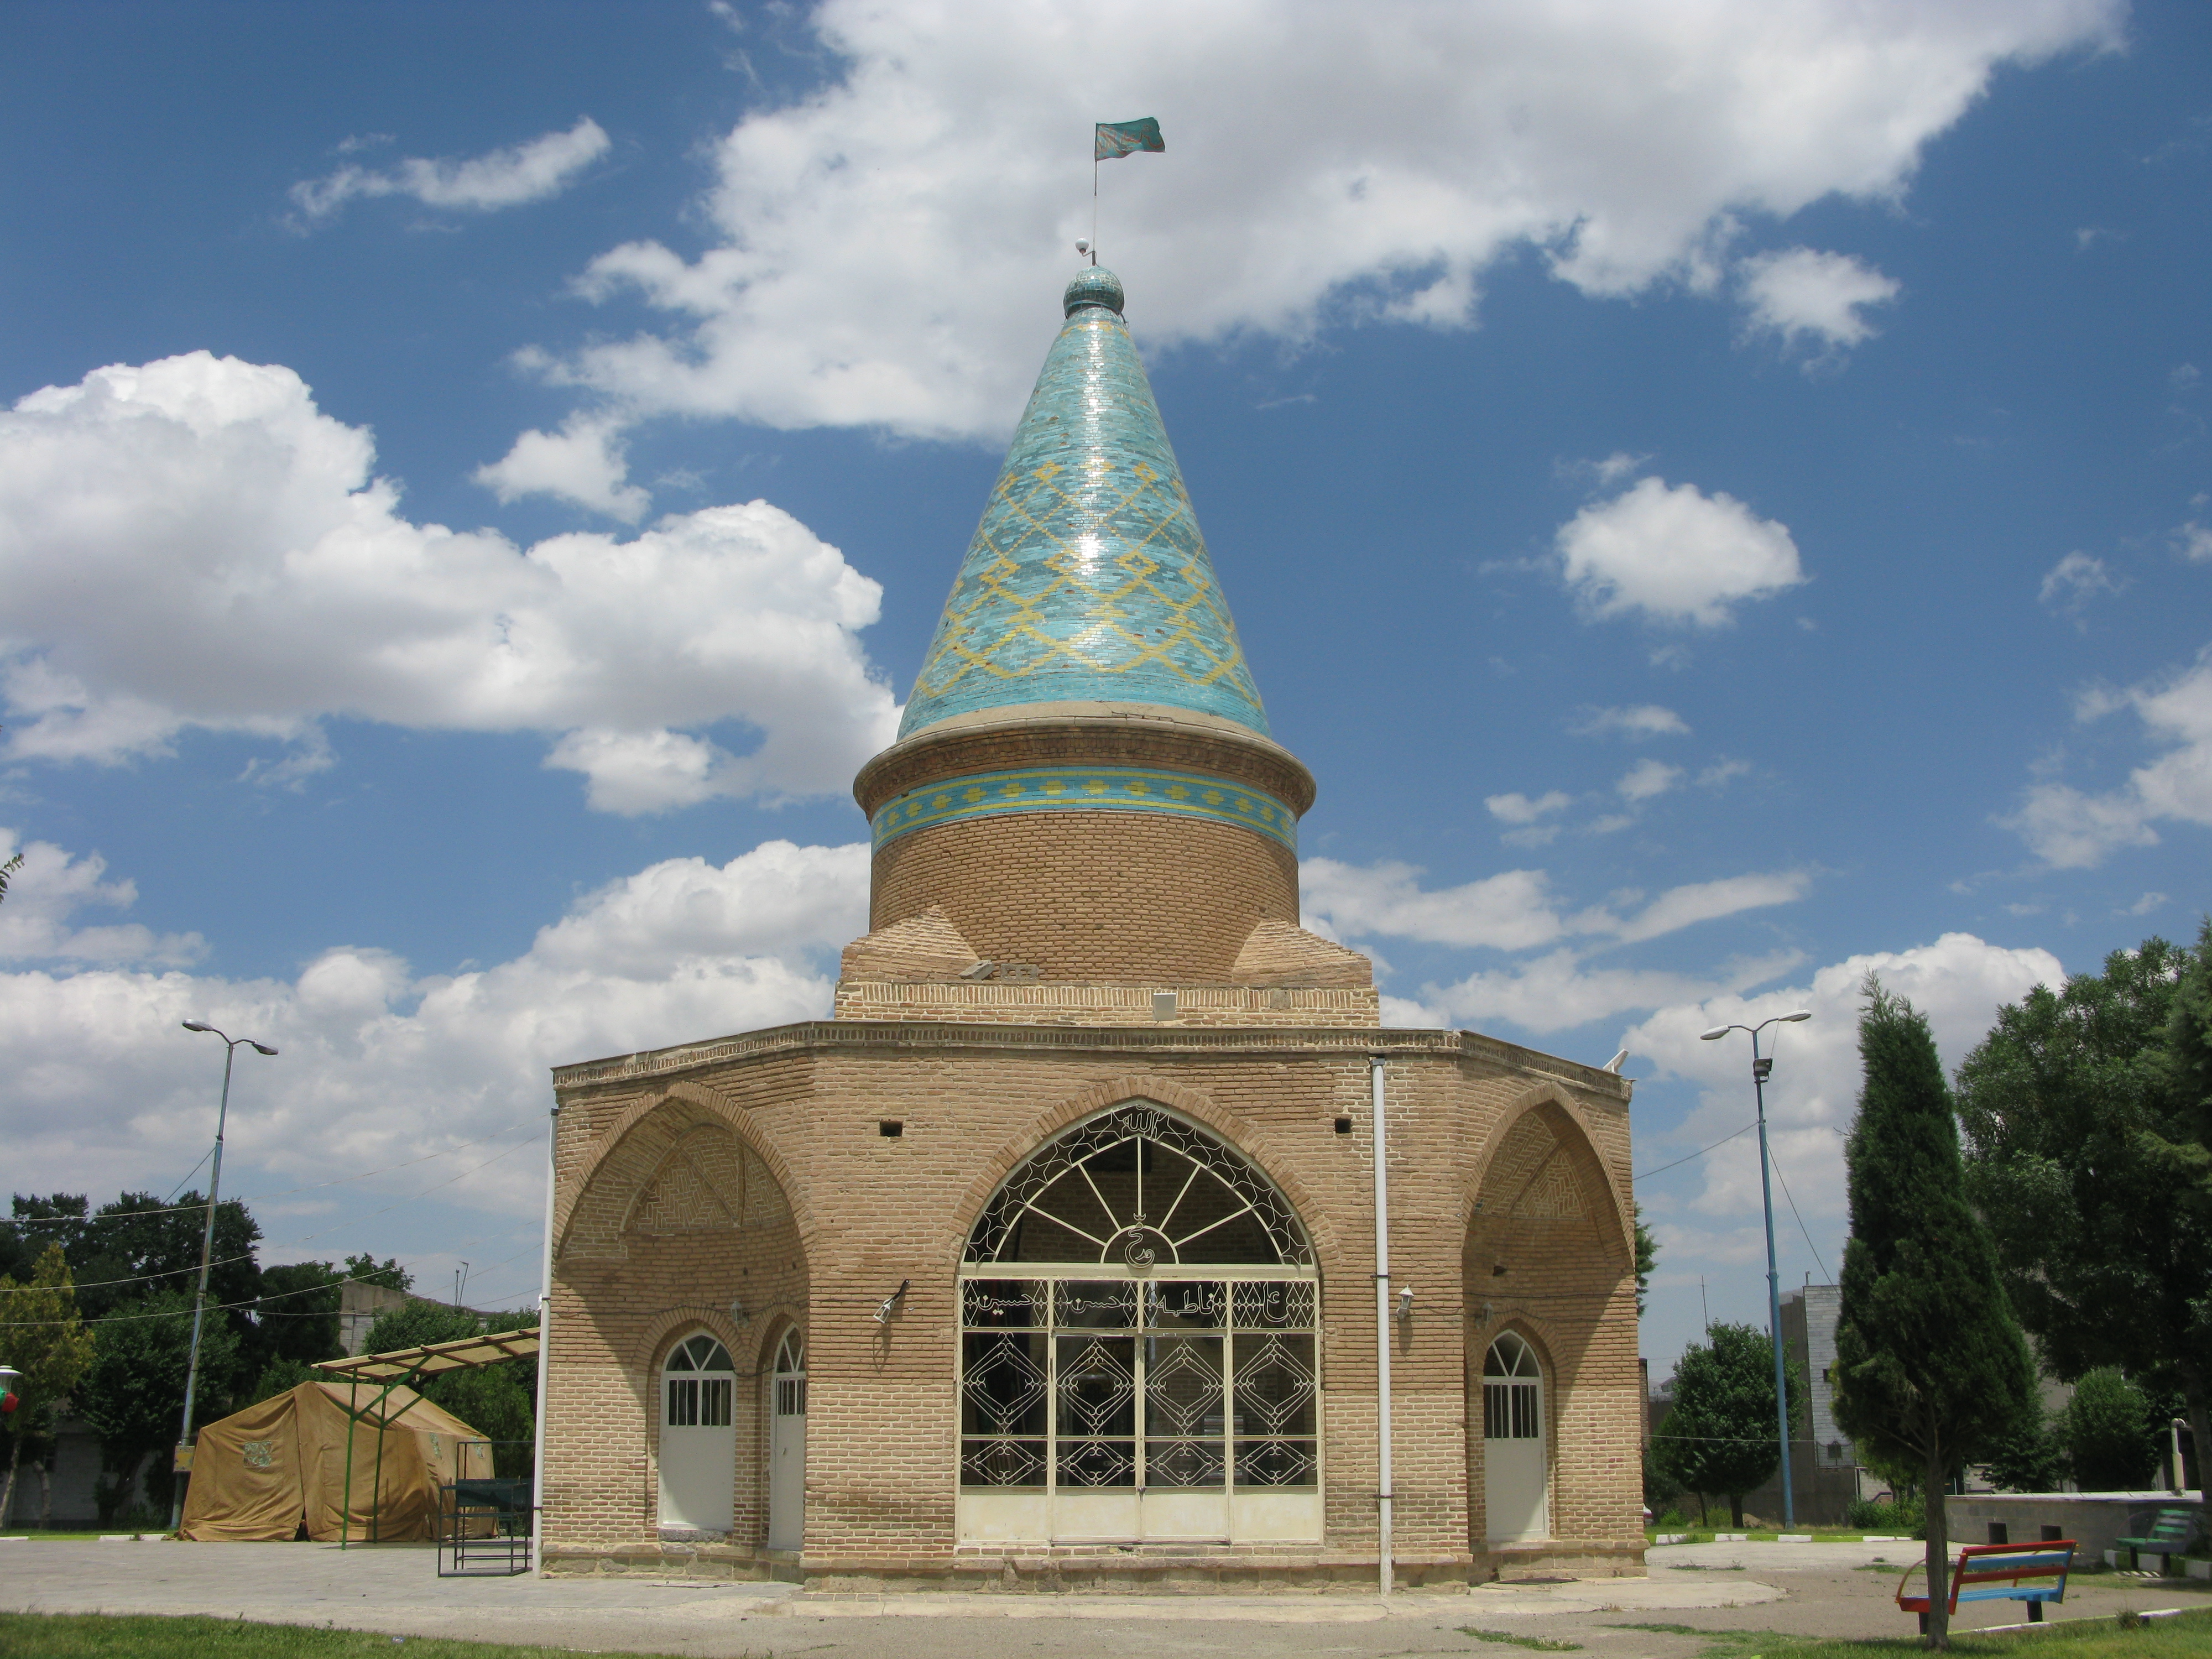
pixel 2028 1456
pixel 42 1336
pixel 417 1323
pixel 1722 1438
pixel 296 1318
pixel 133 1394
pixel 2083 1122
pixel 388 1273
pixel 1930 1368
pixel 498 1401
pixel 2110 1437
pixel 1647 1258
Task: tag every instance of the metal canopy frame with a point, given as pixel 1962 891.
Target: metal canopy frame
pixel 404 1367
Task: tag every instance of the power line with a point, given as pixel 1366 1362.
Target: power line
pixel 1700 1152
pixel 1809 1244
pixel 281 1244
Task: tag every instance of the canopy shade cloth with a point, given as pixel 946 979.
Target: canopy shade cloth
pixel 257 1474
pixel 463 1353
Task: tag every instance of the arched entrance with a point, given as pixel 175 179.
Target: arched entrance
pixel 1139 1309
pixel 1548 1277
pixel 1516 1470
pixel 786 1445
pixel 698 1436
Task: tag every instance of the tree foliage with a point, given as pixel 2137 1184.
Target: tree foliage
pixel 2085 1112
pixel 498 1401
pixel 2027 1456
pixel 1647 1258
pixel 1930 1368
pixel 135 1266
pixel 42 1336
pixel 1722 1438
pixel 133 1395
pixel 2109 1437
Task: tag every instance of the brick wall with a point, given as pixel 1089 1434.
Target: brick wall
pixel 1099 896
pixel 1498 1154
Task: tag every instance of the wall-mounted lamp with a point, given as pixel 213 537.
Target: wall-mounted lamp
pixel 738 1312
pixel 884 1308
pixel 1406 1303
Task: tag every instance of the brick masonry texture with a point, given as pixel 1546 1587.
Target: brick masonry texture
pixel 1115 897
pixel 750 1170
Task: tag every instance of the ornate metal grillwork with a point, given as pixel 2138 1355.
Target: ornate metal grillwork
pixel 1137 1186
pixel 1165 1382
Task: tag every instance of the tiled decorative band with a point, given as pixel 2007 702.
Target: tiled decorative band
pixel 1107 788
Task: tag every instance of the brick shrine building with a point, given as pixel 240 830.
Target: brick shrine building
pixel 1049 1261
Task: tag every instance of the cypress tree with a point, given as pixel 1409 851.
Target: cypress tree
pixel 1930 1368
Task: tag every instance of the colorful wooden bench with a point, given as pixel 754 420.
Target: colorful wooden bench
pixel 1996 1572
pixel 2169 1536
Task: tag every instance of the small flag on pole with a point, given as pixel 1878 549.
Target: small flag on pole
pixel 1119 138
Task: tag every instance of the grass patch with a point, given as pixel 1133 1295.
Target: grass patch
pixel 1540 1643
pixel 2184 1636
pixel 1705 1535
pixel 1665 1630
pixel 99 1636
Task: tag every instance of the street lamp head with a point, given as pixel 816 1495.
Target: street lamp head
pixel 197 1025
pixel 1716 1034
pixel 1801 1013
pixel 263 1047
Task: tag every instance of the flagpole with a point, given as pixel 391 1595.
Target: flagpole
pixel 1094 199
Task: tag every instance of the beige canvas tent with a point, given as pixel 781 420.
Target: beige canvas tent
pixel 257 1474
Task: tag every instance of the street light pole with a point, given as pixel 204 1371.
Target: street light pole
pixel 1761 1067
pixel 207 1254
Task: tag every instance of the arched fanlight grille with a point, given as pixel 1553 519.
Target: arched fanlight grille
pixel 1139 1188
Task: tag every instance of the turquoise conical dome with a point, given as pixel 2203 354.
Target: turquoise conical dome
pixel 1087 580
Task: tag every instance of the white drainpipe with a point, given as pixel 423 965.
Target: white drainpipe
pixel 1381 1323
pixel 544 1352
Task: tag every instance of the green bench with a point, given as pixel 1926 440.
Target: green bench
pixel 2170 1535
pixel 1994 1573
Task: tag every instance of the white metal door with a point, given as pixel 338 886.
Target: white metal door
pixel 698 1441
pixel 786 1446
pixel 1516 1484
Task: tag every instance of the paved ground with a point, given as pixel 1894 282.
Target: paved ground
pixel 1824 1589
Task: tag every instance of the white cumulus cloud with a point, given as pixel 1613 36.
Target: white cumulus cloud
pixel 192 543
pixel 510 177
pixel 378 1065
pixel 1648 779
pixel 1515 910
pixel 36 922
pixel 1677 555
pixel 1812 298
pixel 2073 829
pixel 584 462
pixel 888 247
pixel 1517 808
pixel 1643 721
pixel 1960 982
pixel 2074 581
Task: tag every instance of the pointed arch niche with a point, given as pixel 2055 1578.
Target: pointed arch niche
pixel 1140 1326
pixel 680 1201
pixel 1545 1265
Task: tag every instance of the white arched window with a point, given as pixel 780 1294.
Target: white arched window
pixel 1139 1313
pixel 1516 1479
pixel 698 1436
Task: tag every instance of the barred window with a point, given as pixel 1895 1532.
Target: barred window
pixel 698 1384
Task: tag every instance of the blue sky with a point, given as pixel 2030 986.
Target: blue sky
pixel 1719 499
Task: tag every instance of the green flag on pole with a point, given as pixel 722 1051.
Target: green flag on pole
pixel 1118 138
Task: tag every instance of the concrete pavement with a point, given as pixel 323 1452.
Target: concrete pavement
pixel 1832 1589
